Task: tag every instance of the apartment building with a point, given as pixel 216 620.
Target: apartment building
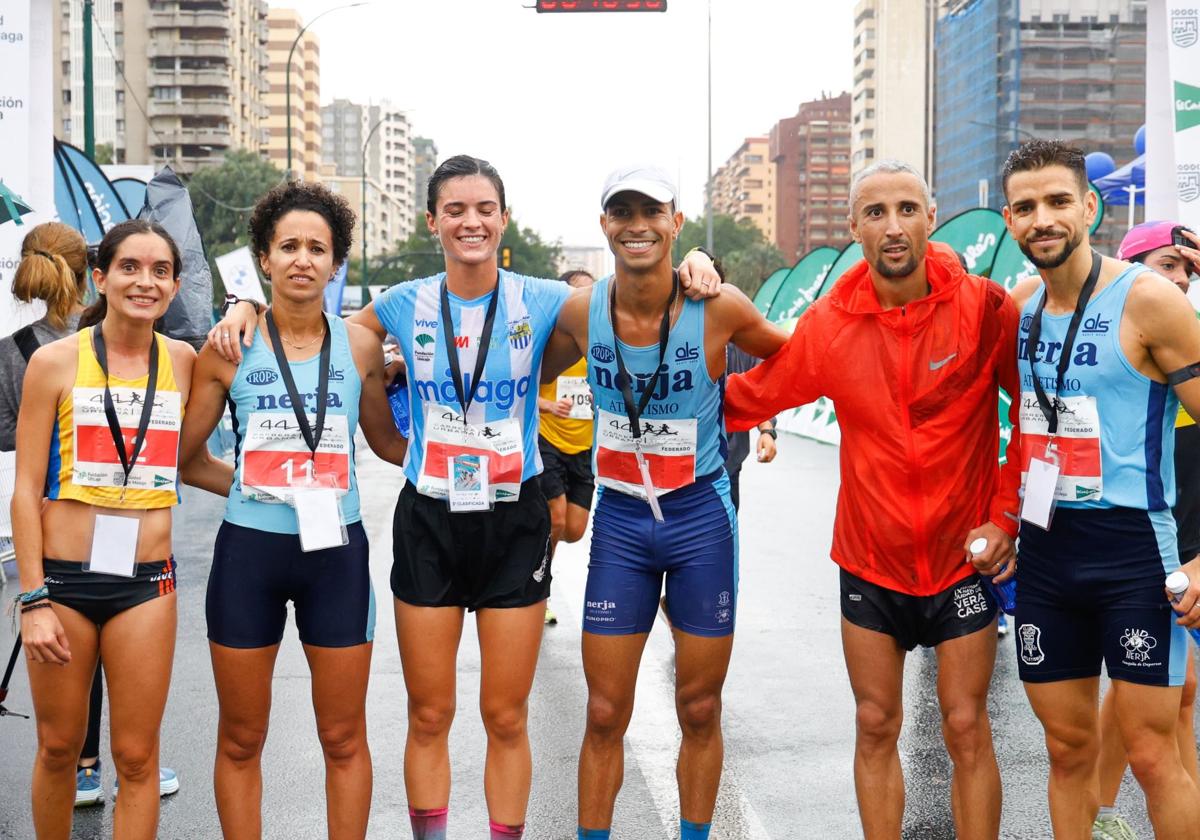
pixel 744 186
pixel 304 78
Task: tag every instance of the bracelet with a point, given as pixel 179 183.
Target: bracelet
pixel 234 300
pixel 774 434
pixel 34 595
pixel 35 606
pixel 717 266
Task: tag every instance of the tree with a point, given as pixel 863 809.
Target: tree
pixel 530 254
pixel 745 253
pixel 104 153
pixel 223 196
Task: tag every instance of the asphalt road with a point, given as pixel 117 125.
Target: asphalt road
pixel 788 709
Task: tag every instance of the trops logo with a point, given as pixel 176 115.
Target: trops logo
pixel 1187 106
pixel 1185 27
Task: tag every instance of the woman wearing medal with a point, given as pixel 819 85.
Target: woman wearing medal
pixel 92 527
pixel 292 529
pixel 471 528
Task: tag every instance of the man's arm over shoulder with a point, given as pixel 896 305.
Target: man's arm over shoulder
pixel 1004 511
pixel 790 377
pixel 568 341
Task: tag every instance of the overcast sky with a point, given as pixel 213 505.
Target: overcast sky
pixel 556 101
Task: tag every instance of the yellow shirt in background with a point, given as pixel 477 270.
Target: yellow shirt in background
pixel 567 436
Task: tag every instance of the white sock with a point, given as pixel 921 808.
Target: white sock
pixel 1106 811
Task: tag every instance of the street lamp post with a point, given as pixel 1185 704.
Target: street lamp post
pixel 366 144
pixel 708 239
pixel 287 77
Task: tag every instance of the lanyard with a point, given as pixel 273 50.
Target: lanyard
pixel 128 460
pixel 1064 361
pixel 634 410
pixel 465 397
pixel 311 439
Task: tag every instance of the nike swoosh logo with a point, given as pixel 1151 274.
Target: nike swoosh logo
pixel 936 365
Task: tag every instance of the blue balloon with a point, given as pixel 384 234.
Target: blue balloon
pixel 1139 141
pixel 1098 165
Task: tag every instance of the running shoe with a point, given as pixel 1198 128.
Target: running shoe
pixel 1112 828
pixel 1002 625
pixel 551 618
pixel 88 790
pixel 168 782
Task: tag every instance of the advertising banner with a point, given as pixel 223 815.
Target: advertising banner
pixel 801 284
pixel 1183 67
pixel 975 234
pixel 767 291
pixel 239 276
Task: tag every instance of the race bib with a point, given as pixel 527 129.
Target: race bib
pixel 97 463
pixel 575 389
pixel 668 449
pixel 1077 444
pixel 276 460
pixel 447 437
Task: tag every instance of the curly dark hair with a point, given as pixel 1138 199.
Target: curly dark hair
pixel 1038 154
pixel 302 195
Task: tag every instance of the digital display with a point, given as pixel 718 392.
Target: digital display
pixel 601 5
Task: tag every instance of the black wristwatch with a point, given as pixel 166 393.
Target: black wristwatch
pixel 716 261
pixel 231 300
pixel 774 434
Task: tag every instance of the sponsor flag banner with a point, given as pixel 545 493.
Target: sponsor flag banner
pixel 802 283
pixel 769 288
pixel 83 196
pixel 976 235
pixel 851 254
pixel 1183 67
pixel 239 275
pixel 333 291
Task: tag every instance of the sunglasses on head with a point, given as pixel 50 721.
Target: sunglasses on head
pixel 1178 238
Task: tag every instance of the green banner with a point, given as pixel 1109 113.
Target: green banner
pixel 769 288
pixel 799 288
pixel 851 254
pixel 1010 266
pixel 975 234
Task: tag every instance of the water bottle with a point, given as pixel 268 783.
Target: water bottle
pixel 1177 584
pixel 397 394
pixel 1005 593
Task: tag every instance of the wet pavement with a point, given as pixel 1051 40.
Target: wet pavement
pixel 788 709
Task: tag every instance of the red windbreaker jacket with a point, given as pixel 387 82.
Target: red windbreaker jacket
pixel 915 389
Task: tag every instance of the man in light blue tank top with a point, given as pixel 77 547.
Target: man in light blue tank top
pixel 1106 351
pixel 655 365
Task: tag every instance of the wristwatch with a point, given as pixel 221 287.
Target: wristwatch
pixel 774 434
pixel 231 300
pixel 716 261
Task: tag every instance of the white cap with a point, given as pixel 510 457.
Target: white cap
pixel 647 179
pixel 979 545
pixel 1177 583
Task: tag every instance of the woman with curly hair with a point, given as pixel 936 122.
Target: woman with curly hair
pixel 292 530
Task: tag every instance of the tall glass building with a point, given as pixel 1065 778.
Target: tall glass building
pixel 1008 70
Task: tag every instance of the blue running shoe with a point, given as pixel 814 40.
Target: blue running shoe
pixel 88 790
pixel 1002 625
pixel 168 782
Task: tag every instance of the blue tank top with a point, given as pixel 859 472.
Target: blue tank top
pixel 684 389
pixel 1136 414
pixel 258 389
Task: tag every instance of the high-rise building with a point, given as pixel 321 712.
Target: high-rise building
pixel 68 103
pixel 744 186
pixel 381 227
pixel 424 163
pixel 1009 70
pixel 187 81
pixel 811 155
pixel 305 80
pixel 893 81
pixel 346 126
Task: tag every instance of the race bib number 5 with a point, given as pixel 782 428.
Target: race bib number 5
pixel 1077 445
pixel 96 461
pixel 276 460
pixel 668 449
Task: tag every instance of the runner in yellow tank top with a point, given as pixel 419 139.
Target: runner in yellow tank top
pixel 565 444
pixel 97 450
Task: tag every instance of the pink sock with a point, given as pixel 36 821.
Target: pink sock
pixel 428 823
pixel 500 831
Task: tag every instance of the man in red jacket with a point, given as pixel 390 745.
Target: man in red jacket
pixel 911 350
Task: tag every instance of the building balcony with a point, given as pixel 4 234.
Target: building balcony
pixel 190 108
pixel 183 48
pixel 214 77
pixel 184 19
pixel 219 137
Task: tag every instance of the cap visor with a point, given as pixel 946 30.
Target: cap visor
pixel 651 189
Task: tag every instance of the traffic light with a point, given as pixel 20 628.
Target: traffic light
pixel 601 5
pixel 506 257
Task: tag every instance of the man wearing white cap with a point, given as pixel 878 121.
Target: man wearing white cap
pixel 655 362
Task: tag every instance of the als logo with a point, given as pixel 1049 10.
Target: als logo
pixel 336 375
pixel 1097 325
pixel 262 376
pixel 1185 28
pixel 602 354
pixel 686 353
